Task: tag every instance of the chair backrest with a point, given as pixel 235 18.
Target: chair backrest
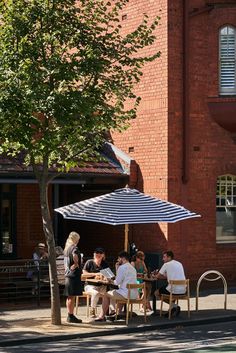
pixel 136 286
pixel 60 270
pixel 183 282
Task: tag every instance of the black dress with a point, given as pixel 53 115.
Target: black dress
pixel 73 285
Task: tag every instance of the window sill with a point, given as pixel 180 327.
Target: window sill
pixel 225 241
pixel 221 98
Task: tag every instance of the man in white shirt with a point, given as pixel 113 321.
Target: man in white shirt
pixel 126 274
pixel 171 270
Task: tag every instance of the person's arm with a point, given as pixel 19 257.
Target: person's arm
pixel 44 255
pixel 76 262
pixel 76 259
pixel 133 264
pixel 160 276
pixel 119 276
pixel 89 274
pixel 117 265
pixel 36 259
pixel 87 270
pixel 162 273
pixel 145 268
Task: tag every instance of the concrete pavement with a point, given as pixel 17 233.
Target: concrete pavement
pixel 29 324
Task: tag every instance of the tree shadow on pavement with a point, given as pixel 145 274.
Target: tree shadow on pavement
pixel 210 338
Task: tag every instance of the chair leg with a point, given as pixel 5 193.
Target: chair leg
pixel 188 308
pixel 170 305
pixel 127 315
pixel 87 303
pixel 131 312
pixel 169 311
pixel 145 313
pixel 116 309
pixel 161 306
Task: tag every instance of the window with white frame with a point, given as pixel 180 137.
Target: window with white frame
pixel 227 56
pixel 226 209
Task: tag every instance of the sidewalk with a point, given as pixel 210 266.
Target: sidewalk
pixel 19 326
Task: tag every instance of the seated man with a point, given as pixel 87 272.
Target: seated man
pixel 126 274
pixel 93 267
pixel 171 270
pixel 39 266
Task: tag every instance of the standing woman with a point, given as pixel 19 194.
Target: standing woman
pixel 73 285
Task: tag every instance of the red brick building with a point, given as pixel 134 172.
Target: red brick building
pixel 182 141
pixel 183 137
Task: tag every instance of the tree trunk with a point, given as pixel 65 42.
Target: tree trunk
pixel 49 235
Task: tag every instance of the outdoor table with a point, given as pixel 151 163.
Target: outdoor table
pixel 94 281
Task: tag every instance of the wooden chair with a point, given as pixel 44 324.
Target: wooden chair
pixel 78 297
pixel 172 297
pixel 129 301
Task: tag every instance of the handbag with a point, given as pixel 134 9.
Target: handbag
pixel 73 273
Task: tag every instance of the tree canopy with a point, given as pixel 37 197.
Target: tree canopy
pixel 66 71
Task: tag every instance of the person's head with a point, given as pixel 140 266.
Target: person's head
pixel 140 256
pixel 167 256
pixel 41 248
pixel 123 257
pixel 99 254
pixel 72 239
pixel 58 251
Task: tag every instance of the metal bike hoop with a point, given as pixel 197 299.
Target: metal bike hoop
pixel 204 277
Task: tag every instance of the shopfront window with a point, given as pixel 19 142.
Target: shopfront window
pixel 7 221
pixel 226 209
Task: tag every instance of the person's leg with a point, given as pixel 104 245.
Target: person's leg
pixel 175 309
pixel 161 291
pixel 94 295
pixel 94 292
pixel 105 307
pixel 148 294
pixel 70 304
pixel 113 296
pixel 100 292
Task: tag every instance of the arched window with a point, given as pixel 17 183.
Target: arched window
pixel 227 56
pixel 226 209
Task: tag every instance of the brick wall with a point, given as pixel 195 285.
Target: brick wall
pixel 157 135
pixel 147 134
pixel 211 151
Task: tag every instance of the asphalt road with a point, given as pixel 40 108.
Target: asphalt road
pixel 203 339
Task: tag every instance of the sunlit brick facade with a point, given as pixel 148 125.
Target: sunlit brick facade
pixel 179 146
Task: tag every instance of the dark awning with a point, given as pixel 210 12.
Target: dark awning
pixel 109 170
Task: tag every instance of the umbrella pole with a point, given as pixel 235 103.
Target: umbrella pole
pixel 126 236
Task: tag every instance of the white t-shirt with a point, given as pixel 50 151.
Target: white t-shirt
pixel 126 274
pixel 173 270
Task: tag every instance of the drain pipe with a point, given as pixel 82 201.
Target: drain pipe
pixel 185 95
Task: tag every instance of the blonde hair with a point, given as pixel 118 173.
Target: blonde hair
pixel 72 239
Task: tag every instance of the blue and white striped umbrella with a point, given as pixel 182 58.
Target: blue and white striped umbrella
pixel 125 206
